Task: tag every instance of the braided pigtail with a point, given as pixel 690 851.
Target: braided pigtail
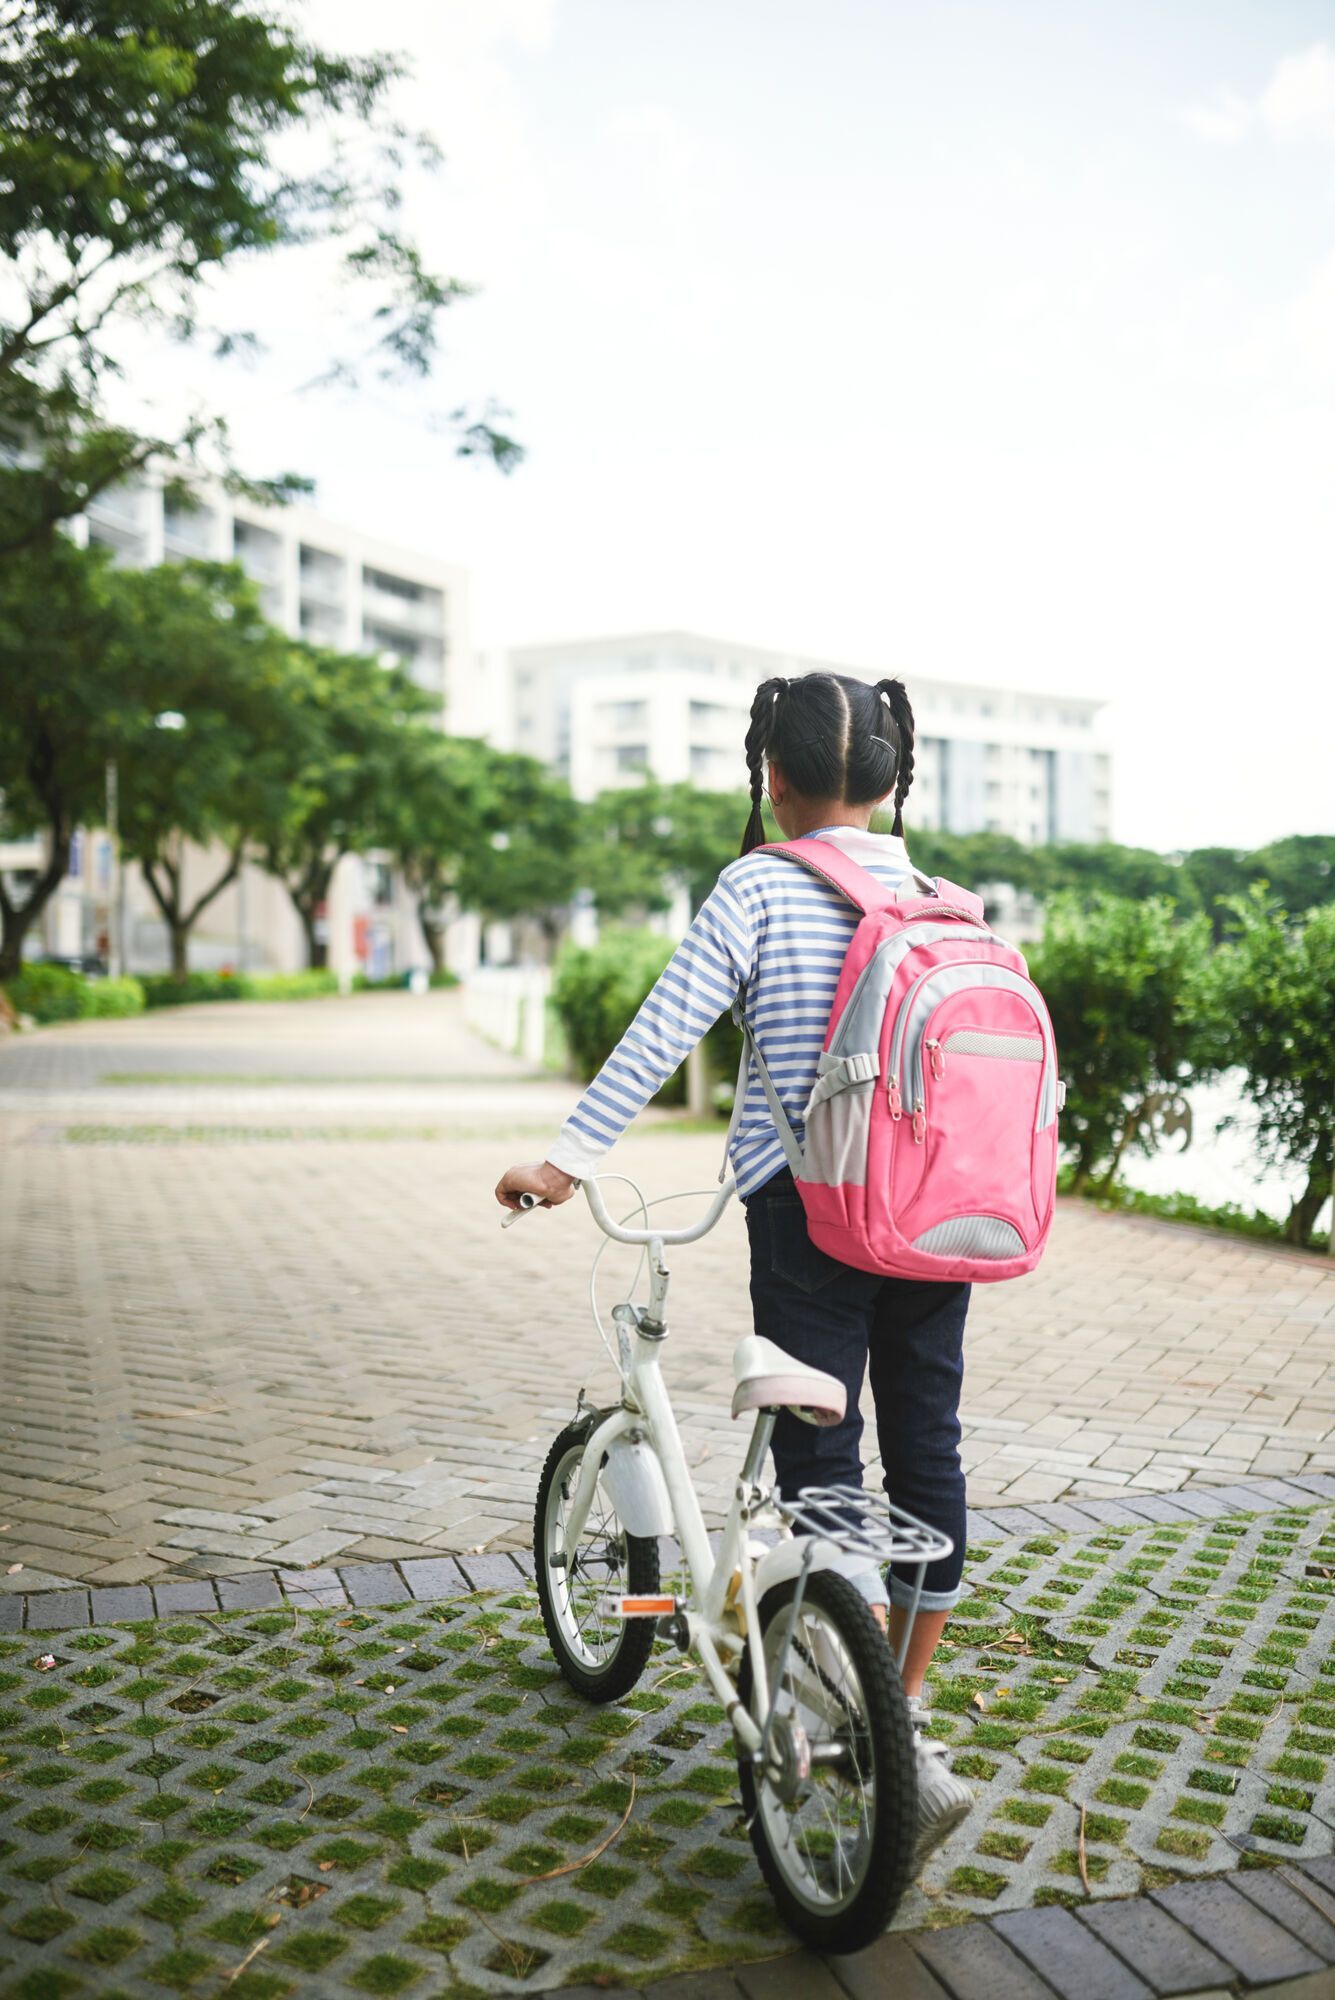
pixel 757 740
pixel 895 697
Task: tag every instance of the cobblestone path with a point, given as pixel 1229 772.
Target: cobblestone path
pixel 257 1310
pixel 379 1799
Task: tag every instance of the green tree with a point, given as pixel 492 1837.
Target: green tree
pixel 1300 870
pixel 62 716
pixel 145 145
pixel 1215 875
pixel 1126 985
pixel 194 639
pixel 348 712
pixel 524 862
pixel 1105 868
pixel 1274 986
pixel 444 801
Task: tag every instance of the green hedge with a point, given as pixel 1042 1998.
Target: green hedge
pixel 162 990
pixel 599 988
pixel 438 981
pixel 53 993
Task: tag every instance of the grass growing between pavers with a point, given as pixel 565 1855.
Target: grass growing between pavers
pixel 410 1800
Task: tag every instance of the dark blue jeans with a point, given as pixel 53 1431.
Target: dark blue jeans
pixel 910 1332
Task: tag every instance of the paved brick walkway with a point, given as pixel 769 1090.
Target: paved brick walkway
pixel 258 1313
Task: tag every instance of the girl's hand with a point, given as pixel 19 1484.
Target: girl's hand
pixel 551 1186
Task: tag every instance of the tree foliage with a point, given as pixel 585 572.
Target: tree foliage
pixel 218 734
pixel 145 145
pixel 524 861
pixel 347 713
pixel 1274 985
pixel 62 715
pixel 1126 985
pixel 447 799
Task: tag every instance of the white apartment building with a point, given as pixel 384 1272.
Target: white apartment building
pixel 676 704
pixel 319 581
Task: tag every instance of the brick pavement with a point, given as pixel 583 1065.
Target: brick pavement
pixel 257 1311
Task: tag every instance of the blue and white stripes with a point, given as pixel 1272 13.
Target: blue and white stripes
pixel 782 934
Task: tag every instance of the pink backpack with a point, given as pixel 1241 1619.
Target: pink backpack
pixel 931 1132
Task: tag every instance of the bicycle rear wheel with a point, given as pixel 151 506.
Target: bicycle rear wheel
pixel 601 1656
pixel 834 1812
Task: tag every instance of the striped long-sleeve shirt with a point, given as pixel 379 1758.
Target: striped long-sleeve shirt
pixel 767 926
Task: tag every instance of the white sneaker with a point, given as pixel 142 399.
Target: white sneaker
pixel 944 1801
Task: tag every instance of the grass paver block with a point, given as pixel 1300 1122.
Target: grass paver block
pixel 423 1775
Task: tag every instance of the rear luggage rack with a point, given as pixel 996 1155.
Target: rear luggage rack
pixel 864 1524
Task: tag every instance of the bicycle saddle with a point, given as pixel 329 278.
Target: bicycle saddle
pixel 769 1379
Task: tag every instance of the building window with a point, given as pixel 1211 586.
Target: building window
pixel 632 756
pixel 393 586
pixel 708 711
pixel 625 714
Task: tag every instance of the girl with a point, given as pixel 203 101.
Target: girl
pixel 835 749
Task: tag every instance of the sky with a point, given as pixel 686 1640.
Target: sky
pixel 964 339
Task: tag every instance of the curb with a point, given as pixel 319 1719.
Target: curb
pixel 1213 1937
pixel 429 1579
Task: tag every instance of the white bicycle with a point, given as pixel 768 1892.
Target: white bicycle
pixel 786 1640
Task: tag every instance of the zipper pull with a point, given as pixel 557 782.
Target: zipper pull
pixel 919 1126
pixel 936 1056
pixel 896 1101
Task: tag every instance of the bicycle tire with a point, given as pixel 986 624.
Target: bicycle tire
pixel 626 1662
pixel 889 1741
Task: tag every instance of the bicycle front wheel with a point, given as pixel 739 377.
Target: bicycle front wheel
pixel 601 1655
pixel 833 1811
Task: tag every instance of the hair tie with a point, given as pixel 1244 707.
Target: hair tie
pixel 886 699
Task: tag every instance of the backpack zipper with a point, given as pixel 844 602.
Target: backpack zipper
pixel 937 935
pixel 1012 982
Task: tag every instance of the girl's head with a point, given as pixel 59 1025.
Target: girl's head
pixel 830 741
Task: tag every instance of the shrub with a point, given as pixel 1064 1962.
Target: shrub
pixel 47 992
pixel 113 999
pixel 1275 987
pixel 53 993
pixel 289 985
pixel 162 989
pixel 1126 984
pixel 598 990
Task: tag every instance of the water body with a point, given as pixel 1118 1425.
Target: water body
pixel 1219 1167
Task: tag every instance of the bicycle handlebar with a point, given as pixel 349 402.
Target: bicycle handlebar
pixel 643 1236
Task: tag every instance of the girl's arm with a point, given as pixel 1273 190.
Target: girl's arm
pixel 699 982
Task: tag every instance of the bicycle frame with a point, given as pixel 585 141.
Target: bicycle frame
pixel 646 1411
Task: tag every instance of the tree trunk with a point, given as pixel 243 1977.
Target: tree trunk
pixel 1305 1210
pixel 180 921
pixel 317 948
pixel 17 919
pixel 433 933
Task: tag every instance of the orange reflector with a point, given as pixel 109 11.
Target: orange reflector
pixel 646 1607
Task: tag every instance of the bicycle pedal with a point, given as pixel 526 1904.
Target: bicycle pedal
pixel 640 1607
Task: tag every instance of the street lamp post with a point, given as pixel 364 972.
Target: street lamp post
pixel 116 885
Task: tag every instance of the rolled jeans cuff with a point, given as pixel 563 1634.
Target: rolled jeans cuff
pixel 901 1593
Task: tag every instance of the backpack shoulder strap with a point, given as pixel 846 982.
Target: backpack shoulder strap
pixel 823 859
